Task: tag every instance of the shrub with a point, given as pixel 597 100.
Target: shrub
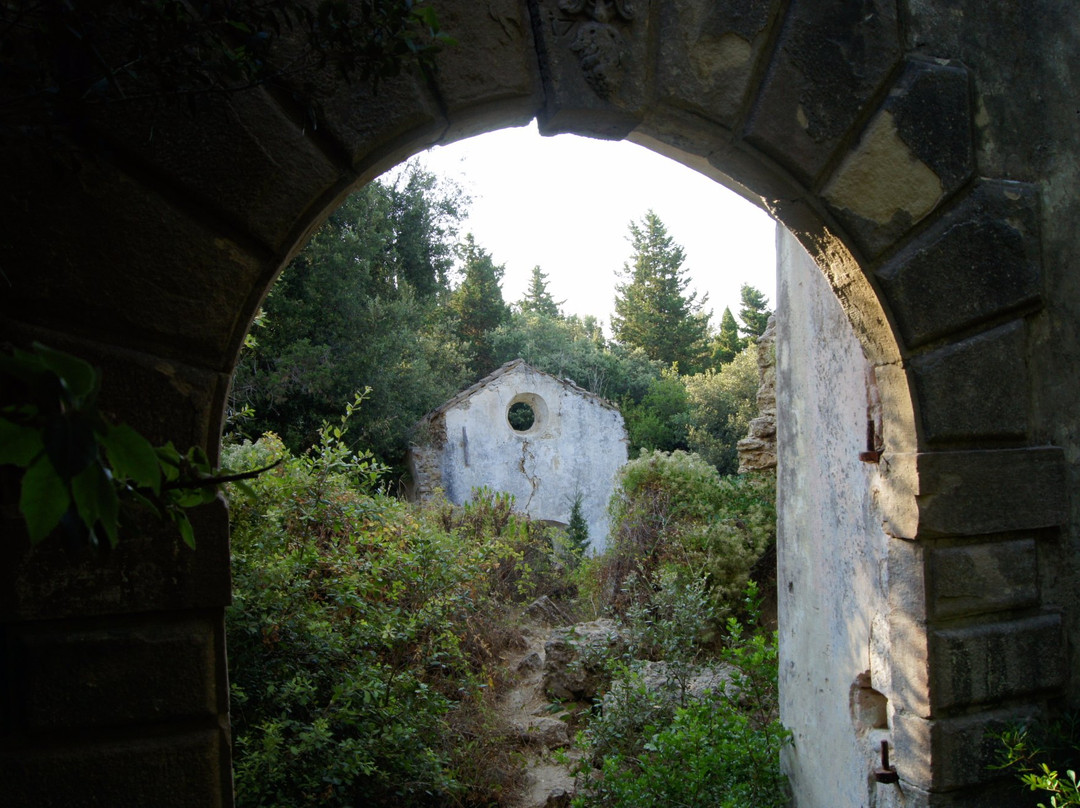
pixel 674 509
pixel 365 636
pixel 660 748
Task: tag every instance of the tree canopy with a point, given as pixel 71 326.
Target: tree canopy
pixel 372 302
pixel 653 311
pixel 538 299
pixel 727 343
pixel 754 312
pixel 358 308
pixel 478 303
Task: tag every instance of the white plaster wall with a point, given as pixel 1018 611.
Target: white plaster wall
pixel 577 445
pixel 831 548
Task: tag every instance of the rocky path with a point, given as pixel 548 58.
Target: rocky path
pixel 542 726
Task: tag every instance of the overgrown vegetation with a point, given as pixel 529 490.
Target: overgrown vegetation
pixel 661 743
pixel 674 514
pixel 367 636
pixel 1045 758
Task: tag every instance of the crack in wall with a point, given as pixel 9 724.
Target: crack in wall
pixel 534 480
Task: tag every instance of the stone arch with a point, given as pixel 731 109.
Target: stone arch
pixel 834 116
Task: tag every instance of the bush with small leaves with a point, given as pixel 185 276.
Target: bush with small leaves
pixel 660 748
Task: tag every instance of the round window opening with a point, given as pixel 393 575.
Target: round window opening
pixel 527 412
pixel 521 416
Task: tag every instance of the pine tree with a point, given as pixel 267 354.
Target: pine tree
pixel 727 343
pixel 478 303
pixel 652 310
pixel 538 300
pixel 577 532
pixel 754 313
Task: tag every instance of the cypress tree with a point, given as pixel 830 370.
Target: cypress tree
pixel 754 313
pixel 538 300
pixel 727 343
pixel 652 309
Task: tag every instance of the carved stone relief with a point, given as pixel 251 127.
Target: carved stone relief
pixel 590 26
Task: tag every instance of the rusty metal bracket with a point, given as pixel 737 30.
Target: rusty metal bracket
pixel 886 774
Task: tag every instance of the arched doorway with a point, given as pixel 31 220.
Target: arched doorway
pixel 859 142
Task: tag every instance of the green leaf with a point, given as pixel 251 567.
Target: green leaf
pixel 19 445
pixel 79 377
pixel 246 489
pixel 109 503
pixel 43 500
pixel 197 457
pixel 85 490
pixel 187 533
pixel 131 456
pixel 169 460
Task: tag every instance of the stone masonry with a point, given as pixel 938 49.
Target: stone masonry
pixel 924 153
pixel 757 451
pixel 574 447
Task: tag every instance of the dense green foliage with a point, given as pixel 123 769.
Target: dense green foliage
pixel 653 312
pixel 365 635
pixel 538 299
pixel 673 509
pixel 727 343
pixel 754 312
pixel 360 307
pixel 721 404
pixel 690 716
pixel 386 297
pixel 478 304
pixel 658 745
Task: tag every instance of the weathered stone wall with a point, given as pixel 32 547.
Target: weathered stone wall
pixel 757 451
pixel 924 152
pixel 576 445
pixel 832 571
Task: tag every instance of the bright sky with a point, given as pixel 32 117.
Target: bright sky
pixel 566 202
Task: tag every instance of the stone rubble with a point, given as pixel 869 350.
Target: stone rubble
pixel 757 451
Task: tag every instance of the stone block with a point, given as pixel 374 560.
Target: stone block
pixel 172 771
pixel 945 755
pixel 993 491
pixel 149 570
pixel 975 389
pixel 915 152
pixel 595 62
pixel 112 275
pixel 831 58
pixel 897 416
pixel 113 674
pixel 978 578
pixel 708 54
pixel 906 680
pixel 243 160
pixel 366 125
pixel 896 494
pixel 491 77
pixel 978 261
pixel 997 661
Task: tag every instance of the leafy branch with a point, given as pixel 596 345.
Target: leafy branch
pixel 77 468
